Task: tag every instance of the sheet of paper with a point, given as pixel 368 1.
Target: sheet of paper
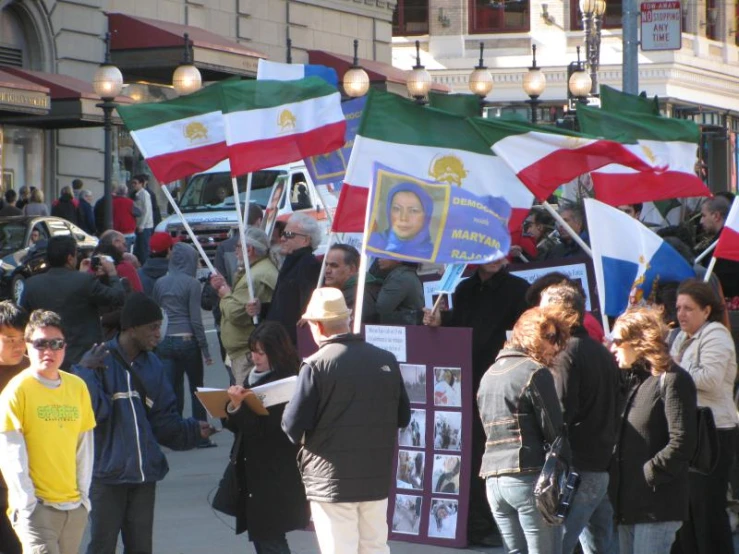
pixel 388 338
pixel 276 392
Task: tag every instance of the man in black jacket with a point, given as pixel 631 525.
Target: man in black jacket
pixel 589 383
pixel 348 405
pixel 74 295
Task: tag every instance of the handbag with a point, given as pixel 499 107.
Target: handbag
pixel 706 454
pixel 227 497
pixel 557 484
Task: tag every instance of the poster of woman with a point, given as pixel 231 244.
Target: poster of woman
pixel 443 519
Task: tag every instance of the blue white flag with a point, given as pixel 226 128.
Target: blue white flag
pixel 419 221
pixel 628 258
pixel 276 71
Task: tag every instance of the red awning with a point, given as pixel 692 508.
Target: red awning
pixel 19 95
pixel 378 72
pixel 149 50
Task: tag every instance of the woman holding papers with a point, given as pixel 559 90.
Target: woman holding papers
pixel 272 494
pixel 705 348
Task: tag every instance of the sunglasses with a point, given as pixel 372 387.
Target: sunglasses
pixel 552 338
pixel 48 344
pixel 292 234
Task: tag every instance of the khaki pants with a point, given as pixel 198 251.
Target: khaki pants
pixel 240 367
pixel 51 531
pixel 351 527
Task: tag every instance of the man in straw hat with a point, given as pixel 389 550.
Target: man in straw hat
pixel 348 404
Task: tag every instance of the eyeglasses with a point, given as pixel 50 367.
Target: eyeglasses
pixel 48 344
pixel 292 234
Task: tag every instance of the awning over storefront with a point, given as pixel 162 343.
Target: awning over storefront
pixel 149 50
pixel 73 101
pixel 380 74
pixel 21 96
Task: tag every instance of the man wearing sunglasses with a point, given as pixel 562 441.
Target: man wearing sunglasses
pixel 46 438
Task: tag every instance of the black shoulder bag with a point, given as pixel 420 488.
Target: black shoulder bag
pixel 557 484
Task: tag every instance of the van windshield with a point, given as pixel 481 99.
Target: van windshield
pixel 214 191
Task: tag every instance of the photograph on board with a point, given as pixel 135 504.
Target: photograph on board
pixel 415 433
pixel 446 473
pixel 448 431
pixel 414 377
pixel 443 518
pixel 447 386
pixel 411 467
pixel 407 514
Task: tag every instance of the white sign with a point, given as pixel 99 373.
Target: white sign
pixel 388 338
pixel 661 26
pixel 576 272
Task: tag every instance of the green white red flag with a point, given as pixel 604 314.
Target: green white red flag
pixel 728 242
pixel 428 144
pixel 269 123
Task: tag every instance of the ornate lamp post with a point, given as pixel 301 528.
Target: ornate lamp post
pixel 580 83
pixel 481 80
pixel 107 83
pixel 592 22
pixel 186 78
pixel 419 81
pixel 534 83
pixel 356 81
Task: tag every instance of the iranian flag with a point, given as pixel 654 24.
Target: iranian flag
pixel 545 158
pixel 179 137
pixel 269 123
pixel 728 242
pixel 668 146
pixel 428 144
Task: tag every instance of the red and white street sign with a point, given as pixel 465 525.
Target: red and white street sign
pixel 661 26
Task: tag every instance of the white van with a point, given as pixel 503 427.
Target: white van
pixel 207 202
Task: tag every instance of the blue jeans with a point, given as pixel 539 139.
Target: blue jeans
pixel 654 538
pixel 141 247
pixel 181 356
pixel 272 546
pixel 521 526
pixel 591 517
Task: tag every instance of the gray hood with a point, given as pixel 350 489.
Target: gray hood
pixel 184 259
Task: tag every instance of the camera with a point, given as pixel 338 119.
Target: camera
pixel 96 261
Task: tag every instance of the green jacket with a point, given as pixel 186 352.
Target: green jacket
pixel 236 324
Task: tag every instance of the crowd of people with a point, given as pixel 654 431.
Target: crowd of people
pixel 102 379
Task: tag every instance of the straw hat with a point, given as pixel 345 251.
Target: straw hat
pixel 326 304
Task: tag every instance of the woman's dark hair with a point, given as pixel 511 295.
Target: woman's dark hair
pixel 533 293
pixel 645 331
pixel 276 344
pixel 665 295
pixel 105 246
pixel 703 295
pixel 531 330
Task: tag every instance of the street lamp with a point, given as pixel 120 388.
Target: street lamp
pixel 592 21
pixel 107 83
pixel 419 81
pixel 356 81
pixel 534 83
pixel 481 81
pixel 580 83
pixel 186 77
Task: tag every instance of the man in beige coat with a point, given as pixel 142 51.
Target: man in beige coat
pixel 236 324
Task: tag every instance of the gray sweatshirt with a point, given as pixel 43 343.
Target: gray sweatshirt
pixel 178 294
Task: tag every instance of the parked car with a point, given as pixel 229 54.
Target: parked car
pixel 23 249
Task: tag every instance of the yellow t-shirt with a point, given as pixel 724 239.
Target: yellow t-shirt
pixel 51 421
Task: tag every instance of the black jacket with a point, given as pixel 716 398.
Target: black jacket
pixel 295 283
pixel 520 412
pixel 590 386
pixel 656 440
pixel 65 208
pixel 76 297
pixel 271 492
pixel 350 402
pixel 491 308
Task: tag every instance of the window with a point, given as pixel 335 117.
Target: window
pixel 712 19
pixel 411 17
pixel 499 16
pixel 611 19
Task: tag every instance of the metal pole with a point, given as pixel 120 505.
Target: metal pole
pixel 107 106
pixel 630 47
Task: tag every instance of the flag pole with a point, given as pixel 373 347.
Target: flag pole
pixel 242 234
pixel 706 252
pixel 709 270
pixel 362 278
pixel 566 226
pixel 322 275
pixel 190 233
pixel 248 196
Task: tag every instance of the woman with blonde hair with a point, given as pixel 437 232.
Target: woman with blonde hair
pixel 521 415
pixel 656 437
pixel 36 206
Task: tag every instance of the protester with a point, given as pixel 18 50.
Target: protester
pixel 705 348
pixel 113 244
pixel 348 405
pixel 656 438
pixel 144 219
pixel 574 216
pixel 521 414
pixel 66 206
pixel 8 209
pixel 74 295
pixel 86 212
pixel 185 347
pixel 46 423
pixel 134 405
pixel 35 205
pixel 24 194
pixel 225 261
pixel 13 360
pixel 155 211
pixel 634 210
pixel 236 324
pixel 539 227
pixel 590 388
pixel 10 200
pixel 272 496
pixel 77 186
pixel 342 266
pixel 400 298
pixel 489 302
pixel 713 218
pixel 157 264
